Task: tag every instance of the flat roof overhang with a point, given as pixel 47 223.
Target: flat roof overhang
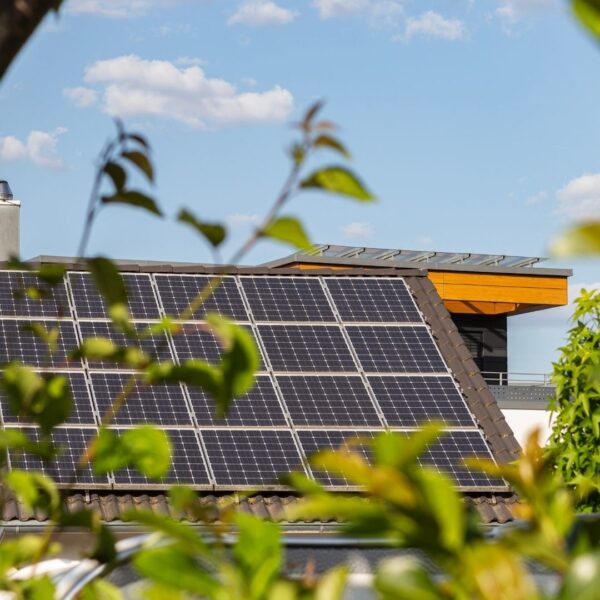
pixel 467 289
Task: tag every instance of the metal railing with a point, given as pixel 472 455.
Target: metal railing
pixel 514 378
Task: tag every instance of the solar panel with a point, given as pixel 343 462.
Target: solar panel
pixel 177 291
pixel 89 304
pixel 195 341
pixel 412 401
pixel 258 407
pixel 161 404
pixel 449 453
pixel 328 400
pixel 347 440
pixel 156 346
pixel 306 348
pixel 396 349
pixel 373 299
pixel 19 343
pixel 287 299
pixel 14 302
pixel 187 464
pixel 63 469
pixel 82 412
pixel 251 457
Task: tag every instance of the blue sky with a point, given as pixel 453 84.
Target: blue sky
pixel 475 122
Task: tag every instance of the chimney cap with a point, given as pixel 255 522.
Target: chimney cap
pixel 6 194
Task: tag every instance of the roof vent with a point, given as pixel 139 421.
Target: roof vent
pixel 6 194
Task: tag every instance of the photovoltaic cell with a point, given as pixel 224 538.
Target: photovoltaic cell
pixel 449 453
pixel 18 343
pixel 306 348
pixel 412 401
pixel 162 404
pixel 155 346
pixel 15 302
pixel 287 299
pixel 82 412
pixel 373 299
pixel 350 441
pixel 396 349
pixel 187 464
pixel 72 444
pixel 258 407
pixel 251 457
pixel 323 400
pixel 90 304
pixel 177 291
pixel 195 341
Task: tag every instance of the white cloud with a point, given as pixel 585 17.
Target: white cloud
pixel 580 198
pixel 40 148
pixel 357 230
pixel 81 97
pixel 237 220
pixel 378 11
pixel 514 10
pixel 118 9
pixel 133 86
pixel 434 25
pixel 257 13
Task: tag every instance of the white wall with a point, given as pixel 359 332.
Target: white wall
pixel 522 421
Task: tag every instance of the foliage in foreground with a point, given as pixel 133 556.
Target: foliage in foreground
pixel 574 446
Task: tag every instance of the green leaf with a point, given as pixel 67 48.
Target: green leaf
pixel 103 349
pixel 404 578
pixel 117 175
pixel 582 580
pixel 33 489
pixel 239 361
pixel 141 161
pixel 338 180
pixel 289 231
pixel 133 198
pixel 213 232
pixel 172 566
pixel 328 141
pixel 41 588
pixel 100 589
pixel 580 240
pixel 145 447
pixel 192 372
pixel 588 13
pixel 108 280
pixel 332 584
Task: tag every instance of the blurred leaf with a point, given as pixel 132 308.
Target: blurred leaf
pixel 141 161
pixel 239 360
pixel 108 280
pixel 103 349
pixel 588 12
pixel 33 489
pixel 192 372
pixel 258 552
pixel 289 231
pixel 580 240
pixel 133 198
pixel 582 580
pixel 21 551
pixel 173 567
pixel 145 447
pixel 117 175
pixel 48 336
pixel 42 399
pixel 51 274
pixel 311 113
pixel 139 139
pixel 40 588
pixel 327 141
pixel 100 589
pixel 332 584
pixel 338 180
pixel 213 232
pixel 404 578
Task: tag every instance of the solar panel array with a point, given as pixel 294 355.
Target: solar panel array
pixel 341 357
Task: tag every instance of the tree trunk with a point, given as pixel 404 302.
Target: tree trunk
pixel 18 20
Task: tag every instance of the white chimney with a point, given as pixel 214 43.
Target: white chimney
pixel 9 222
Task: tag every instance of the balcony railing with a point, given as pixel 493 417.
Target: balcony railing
pixel 515 378
pixel 520 390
